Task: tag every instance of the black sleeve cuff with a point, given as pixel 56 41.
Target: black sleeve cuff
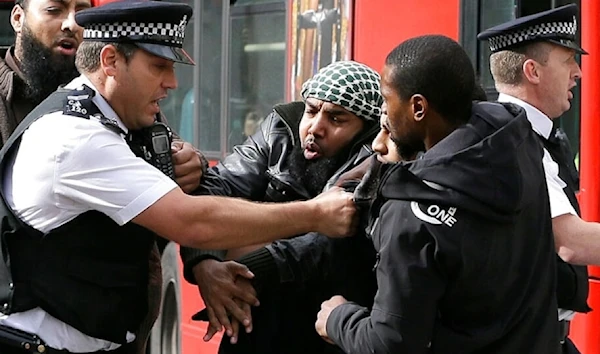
pixel 262 264
pixel 192 256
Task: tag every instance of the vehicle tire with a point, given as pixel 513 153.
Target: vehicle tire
pixel 165 337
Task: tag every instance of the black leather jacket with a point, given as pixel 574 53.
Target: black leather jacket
pixel 259 169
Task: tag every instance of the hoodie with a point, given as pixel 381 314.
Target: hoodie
pixel 465 253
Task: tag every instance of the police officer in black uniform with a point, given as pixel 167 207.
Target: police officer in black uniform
pixel 533 64
pixel 80 210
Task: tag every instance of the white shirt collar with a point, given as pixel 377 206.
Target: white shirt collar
pixel 100 101
pixel 540 122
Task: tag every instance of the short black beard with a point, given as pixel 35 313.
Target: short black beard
pixel 43 70
pixel 314 174
pixel 408 148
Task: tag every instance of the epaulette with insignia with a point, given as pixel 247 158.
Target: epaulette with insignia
pixel 80 104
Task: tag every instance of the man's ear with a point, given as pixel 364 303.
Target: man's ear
pixel 531 71
pixel 109 56
pixel 419 107
pixel 17 17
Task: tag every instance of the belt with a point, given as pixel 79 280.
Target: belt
pixel 563 330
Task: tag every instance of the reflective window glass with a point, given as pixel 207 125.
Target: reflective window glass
pixel 209 65
pixel 257 68
pixel 7 35
pixel 177 103
pixel 494 12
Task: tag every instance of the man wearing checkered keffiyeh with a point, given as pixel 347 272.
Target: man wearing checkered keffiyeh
pixel 351 85
pixel 298 149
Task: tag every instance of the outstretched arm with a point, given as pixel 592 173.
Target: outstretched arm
pixel 221 223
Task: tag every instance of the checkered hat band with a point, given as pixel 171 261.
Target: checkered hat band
pixel 566 30
pixel 161 33
pixel 351 85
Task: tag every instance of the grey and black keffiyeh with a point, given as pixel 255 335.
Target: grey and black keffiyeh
pixel 349 84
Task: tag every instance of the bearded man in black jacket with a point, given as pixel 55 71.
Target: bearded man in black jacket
pixel 299 149
pixel 463 234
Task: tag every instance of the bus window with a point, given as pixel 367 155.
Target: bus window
pixel 475 17
pixel 174 105
pixel 496 12
pixel 209 65
pixel 321 32
pixel 256 65
pixel 7 35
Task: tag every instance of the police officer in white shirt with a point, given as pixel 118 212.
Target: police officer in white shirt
pixel 534 66
pixel 75 260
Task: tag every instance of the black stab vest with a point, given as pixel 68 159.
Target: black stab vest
pixel 90 273
pixel 572 281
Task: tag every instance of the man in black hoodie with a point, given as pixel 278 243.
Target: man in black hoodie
pixel 463 234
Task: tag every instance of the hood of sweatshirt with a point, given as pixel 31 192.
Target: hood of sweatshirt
pixel 475 168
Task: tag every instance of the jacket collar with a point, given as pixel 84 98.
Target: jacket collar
pixel 11 61
pixel 8 72
pixel 540 122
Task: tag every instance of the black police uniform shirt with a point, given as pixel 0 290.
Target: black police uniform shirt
pixel 559 202
pixel 64 167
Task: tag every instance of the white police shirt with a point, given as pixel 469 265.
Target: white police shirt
pixel 66 166
pixel 559 202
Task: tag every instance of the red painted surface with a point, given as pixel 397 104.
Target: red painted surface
pixel 584 329
pixel 101 2
pixel 192 332
pixel 380 25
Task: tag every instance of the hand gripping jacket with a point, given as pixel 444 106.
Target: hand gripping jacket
pixel 90 273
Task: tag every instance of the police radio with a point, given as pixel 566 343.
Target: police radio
pixel 153 144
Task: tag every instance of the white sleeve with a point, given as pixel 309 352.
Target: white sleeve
pixel 103 174
pixel 559 202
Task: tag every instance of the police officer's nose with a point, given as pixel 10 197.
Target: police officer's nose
pixel 170 80
pixel 577 75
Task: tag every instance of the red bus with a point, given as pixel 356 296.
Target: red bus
pixel 252 54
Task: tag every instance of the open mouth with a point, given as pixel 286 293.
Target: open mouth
pixel 156 103
pixel 155 106
pixel 312 151
pixel 67 46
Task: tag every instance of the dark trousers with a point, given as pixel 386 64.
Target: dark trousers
pixel 569 348
pixel 5 349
